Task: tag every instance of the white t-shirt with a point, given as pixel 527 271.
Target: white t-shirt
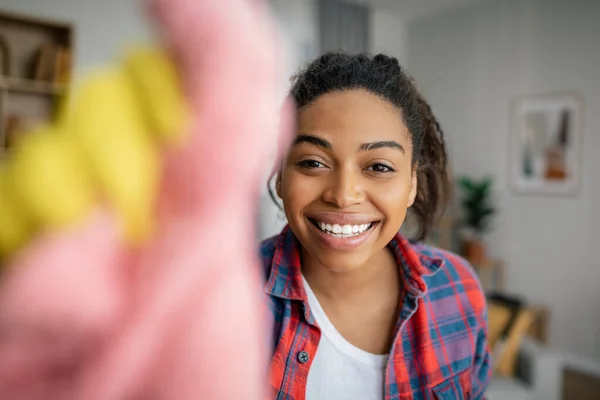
pixel 340 370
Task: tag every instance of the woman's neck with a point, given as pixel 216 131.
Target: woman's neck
pixel 362 304
pixel 380 275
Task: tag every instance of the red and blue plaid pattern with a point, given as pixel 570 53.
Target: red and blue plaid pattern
pixel 440 349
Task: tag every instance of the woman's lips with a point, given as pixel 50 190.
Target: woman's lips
pixel 342 218
pixel 345 233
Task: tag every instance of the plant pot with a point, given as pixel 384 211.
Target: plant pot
pixel 475 251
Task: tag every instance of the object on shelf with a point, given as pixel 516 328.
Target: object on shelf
pixel 4 57
pixel 52 63
pixel 35 75
pixel 62 68
pixel 44 63
pixel 14 126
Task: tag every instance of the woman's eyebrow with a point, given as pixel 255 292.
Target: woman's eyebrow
pixel 315 140
pixel 378 145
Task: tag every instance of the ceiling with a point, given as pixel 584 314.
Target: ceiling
pixel 410 9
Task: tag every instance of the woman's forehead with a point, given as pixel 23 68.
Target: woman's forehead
pixel 352 116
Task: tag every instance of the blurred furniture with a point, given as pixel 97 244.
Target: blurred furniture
pixel 498 320
pixel 505 361
pixel 524 367
pixel 36 63
pixel 491 274
pixel 509 322
pixel 546 374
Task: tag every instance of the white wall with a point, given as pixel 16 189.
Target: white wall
pixel 388 34
pixel 471 63
pixel 102 27
pixel 298 21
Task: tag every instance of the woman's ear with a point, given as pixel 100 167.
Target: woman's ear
pixel 413 187
pixel 278 184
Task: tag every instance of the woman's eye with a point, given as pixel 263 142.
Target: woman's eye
pixel 380 168
pixel 310 164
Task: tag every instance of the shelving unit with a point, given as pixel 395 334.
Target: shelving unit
pixel 19 85
pixel 35 71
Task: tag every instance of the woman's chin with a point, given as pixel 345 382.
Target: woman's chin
pixel 341 263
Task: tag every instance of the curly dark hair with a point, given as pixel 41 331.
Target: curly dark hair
pixel 384 77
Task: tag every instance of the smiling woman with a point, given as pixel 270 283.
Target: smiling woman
pixel 361 312
pixel 352 171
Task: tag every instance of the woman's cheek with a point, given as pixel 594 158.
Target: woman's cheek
pixel 391 197
pixel 295 186
pixel 296 182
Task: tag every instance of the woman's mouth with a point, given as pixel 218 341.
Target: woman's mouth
pixel 342 231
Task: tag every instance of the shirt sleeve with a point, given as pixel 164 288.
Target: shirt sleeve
pixel 482 365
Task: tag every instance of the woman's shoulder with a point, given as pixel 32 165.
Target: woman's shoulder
pixel 455 276
pixel 267 249
pixel 267 246
pixel 450 259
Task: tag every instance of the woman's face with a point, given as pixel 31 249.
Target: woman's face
pixel 347 179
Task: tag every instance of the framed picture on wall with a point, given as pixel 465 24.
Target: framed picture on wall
pixel 545 153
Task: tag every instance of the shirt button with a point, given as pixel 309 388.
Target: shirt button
pixel 303 357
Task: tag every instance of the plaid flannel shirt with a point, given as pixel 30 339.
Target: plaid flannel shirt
pixel 440 348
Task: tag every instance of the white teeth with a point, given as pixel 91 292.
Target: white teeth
pixel 343 231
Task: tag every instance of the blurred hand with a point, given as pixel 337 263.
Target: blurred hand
pixel 152 291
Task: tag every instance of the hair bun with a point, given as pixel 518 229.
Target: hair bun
pixel 391 63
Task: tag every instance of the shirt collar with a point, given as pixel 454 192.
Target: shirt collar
pixel 285 279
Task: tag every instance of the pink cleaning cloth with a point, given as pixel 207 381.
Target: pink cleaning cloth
pixel 84 316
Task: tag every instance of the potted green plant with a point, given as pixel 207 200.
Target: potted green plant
pixel 477 211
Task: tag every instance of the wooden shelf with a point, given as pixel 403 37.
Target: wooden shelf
pixel 36 60
pixel 7 16
pixel 32 86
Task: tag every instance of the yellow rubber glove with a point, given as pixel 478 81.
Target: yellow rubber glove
pixel 15 228
pixel 107 124
pixel 49 181
pixel 104 148
pixel 158 92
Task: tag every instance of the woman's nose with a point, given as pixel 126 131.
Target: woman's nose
pixel 344 189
